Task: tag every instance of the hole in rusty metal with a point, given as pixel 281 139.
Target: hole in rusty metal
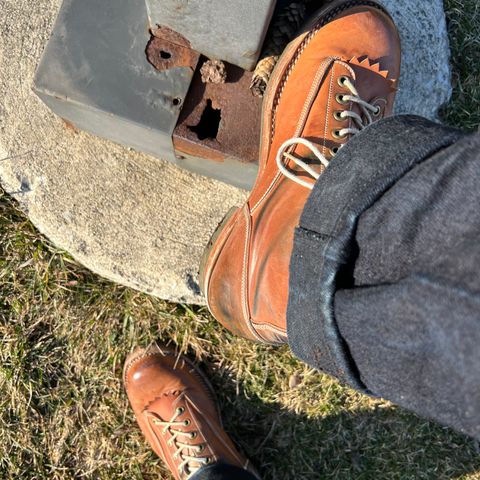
pixel 165 55
pixel 209 122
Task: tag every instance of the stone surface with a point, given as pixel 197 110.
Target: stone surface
pixel 425 83
pixel 130 217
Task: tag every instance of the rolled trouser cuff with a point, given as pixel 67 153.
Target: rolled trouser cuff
pixel 325 250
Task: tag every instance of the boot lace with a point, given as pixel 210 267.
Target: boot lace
pixel 191 460
pixel 369 114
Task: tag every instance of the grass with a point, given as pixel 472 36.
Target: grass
pixel 463 19
pixel 66 332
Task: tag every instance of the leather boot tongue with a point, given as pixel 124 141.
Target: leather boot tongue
pixel 165 407
pixel 371 81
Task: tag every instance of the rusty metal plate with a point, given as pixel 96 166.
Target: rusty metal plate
pixel 168 49
pixel 220 122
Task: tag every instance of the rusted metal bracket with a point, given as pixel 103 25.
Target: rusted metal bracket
pixel 146 91
pixel 219 122
pixel 168 49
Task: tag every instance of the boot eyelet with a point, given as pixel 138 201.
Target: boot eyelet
pixel 378 112
pixel 193 435
pixel 336 134
pixel 337 115
pixel 340 99
pixel 334 151
pixel 208 460
pixel 201 448
pixel 187 422
pixel 180 410
pixel 343 80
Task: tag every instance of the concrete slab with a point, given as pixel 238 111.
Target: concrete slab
pixel 129 217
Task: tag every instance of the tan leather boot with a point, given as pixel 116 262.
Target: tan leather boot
pixel 176 411
pixel 333 80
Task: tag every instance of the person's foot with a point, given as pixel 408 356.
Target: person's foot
pixel 175 408
pixel 333 80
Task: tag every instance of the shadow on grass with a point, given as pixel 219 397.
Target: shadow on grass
pixel 386 443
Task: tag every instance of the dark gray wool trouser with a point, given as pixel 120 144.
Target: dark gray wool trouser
pixel 385 272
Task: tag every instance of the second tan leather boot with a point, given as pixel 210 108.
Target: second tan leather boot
pixel 175 408
pixel 336 78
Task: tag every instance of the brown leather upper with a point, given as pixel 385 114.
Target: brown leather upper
pixel 162 386
pixel 246 276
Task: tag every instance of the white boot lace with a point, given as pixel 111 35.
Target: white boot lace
pixel 191 461
pixel 283 154
pixel 370 114
pixel 369 111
